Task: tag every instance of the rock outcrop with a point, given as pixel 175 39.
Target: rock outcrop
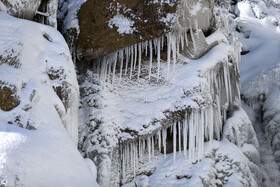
pixel 107 26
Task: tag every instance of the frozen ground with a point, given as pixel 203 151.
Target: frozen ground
pixel 259 33
pixel 38 138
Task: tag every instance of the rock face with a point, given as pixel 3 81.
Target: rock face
pixel 106 26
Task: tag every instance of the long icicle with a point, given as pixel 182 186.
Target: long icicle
pixel 168 54
pixel 121 61
pixel 139 63
pixel 131 63
pixel 179 136
pixel 174 142
pixel 164 134
pixel 151 58
pixel 159 141
pixel 158 58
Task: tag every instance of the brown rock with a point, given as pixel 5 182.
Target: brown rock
pixel 8 98
pixel 97 38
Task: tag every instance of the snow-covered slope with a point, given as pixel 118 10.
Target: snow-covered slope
pixel 38 134
pixel 258 28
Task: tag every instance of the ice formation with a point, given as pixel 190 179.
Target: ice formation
pixel 113 63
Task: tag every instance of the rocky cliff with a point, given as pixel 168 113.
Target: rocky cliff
pixel 149 93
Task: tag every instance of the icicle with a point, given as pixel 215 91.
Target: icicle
pixel 186 38
pixel 135 56
pixel 174 142
pixel 144 145
pixel 121 60
pixel 164 135
pixel 178 48
pixel 151 58
pixel 131 63
pixel 103 69
pixel 217 128
pixel 127 52
pixel 153 147
pixel 146 48
pixel 115 65
pixel 140 149
pixel 139 63
pixel 229 83
pixel 191 137
pixel 226 83
pixel 196 124
pixel 182 41
pixel 193 40
pixel 168 53
pixel 179 136
pixel 211 132
pixel 173 51
pixel 149 148
pixel 238 92
pixel 159 141
pixel 162 42
pixel 136 157
pixel 134 160
pixel 123 163
pixel 196 25
pixel 185 135
pixel 202 135
pixel 158 58
pixel 109 72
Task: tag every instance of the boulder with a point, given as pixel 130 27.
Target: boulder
pixel 106 26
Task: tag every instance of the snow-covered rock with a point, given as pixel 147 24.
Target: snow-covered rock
pixel 39 134
pixel 43 11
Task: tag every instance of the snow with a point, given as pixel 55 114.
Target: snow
pixel 47 154
pixel 208 172
pixel 258 25
pixel 124 24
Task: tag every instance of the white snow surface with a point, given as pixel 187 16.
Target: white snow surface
pixel 46 155
pixel 124 24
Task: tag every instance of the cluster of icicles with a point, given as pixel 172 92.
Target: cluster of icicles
pixel 189 134
pixel 128 60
